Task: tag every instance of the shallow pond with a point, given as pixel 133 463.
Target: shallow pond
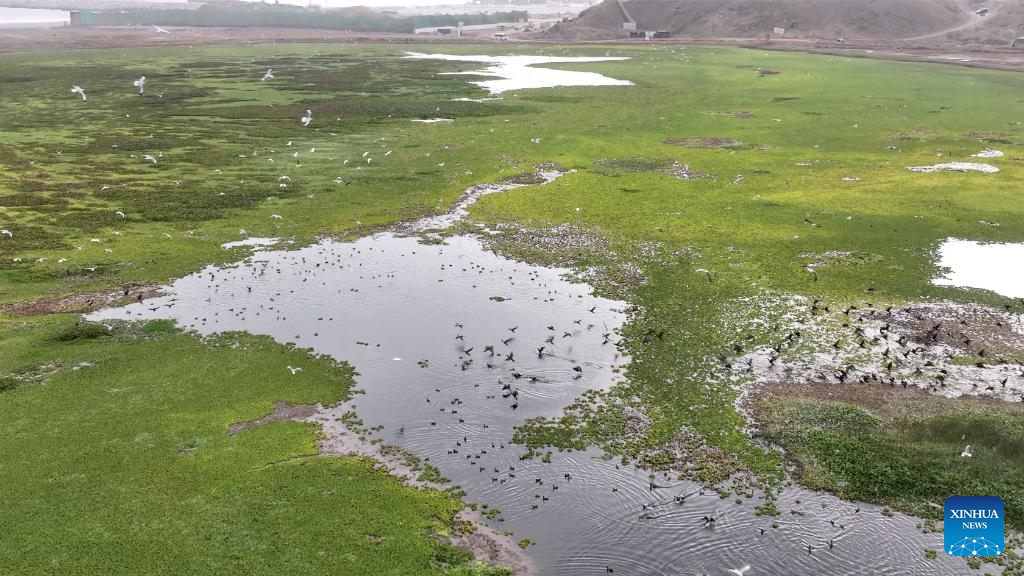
pixel 989 266
pixel 415 319
pixel 395 308
pixel 521 72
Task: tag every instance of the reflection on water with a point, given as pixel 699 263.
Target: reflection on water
pixel 521 72
pixel 415 320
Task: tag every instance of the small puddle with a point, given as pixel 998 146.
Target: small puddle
pixel 989 266
pixel 989 154
pixel 955 167
pixel 250 243
pixel 522 72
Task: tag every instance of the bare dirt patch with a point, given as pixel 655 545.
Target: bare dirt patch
pixel 80 303
pixel 885 401
pixel 839 258
pixel 282 411
pixel 974 330
pixel 489 546
pixel 703 142
pixel 617 166
pixel 993 137
pixel 918 135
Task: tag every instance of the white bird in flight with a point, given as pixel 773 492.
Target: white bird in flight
pixel 119 213
pixel 740 571
pixel 75 89
pixel 294 370
pixel 267 75
pixel 307 118
pixel 160 30
pixel 967 453
pixel 140 84
pixel 149 158
pixel 7 233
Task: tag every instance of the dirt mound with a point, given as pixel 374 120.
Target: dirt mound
pixel 809 19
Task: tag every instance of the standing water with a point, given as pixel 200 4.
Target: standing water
pixel 989 266
pixel 455 346
pixel 521 72
pixel 415 320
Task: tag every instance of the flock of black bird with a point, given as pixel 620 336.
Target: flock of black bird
pixel 906 359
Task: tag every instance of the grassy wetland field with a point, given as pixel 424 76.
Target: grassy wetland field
pixel 732 197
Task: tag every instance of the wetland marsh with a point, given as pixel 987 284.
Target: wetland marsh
pixel 710 246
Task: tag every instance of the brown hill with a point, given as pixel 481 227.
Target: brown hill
pixel 875 20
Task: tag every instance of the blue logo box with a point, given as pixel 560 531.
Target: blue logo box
pixel 974 526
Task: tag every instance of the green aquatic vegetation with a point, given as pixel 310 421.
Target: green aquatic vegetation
pixel 117 442
pixel 905 462
pixel 431 474
pixel 625 221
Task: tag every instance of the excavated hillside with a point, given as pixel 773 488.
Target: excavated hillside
pixel 857 20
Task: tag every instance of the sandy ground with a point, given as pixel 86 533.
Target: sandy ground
pixel 74 38
pixel 81 303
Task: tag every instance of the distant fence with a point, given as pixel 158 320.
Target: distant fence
pixel 284 18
